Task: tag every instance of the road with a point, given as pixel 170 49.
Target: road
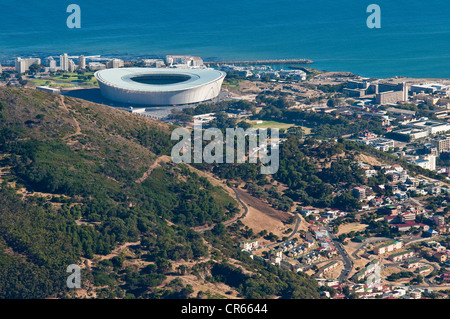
pixel 426 280
pixel 368 242
pixel 297 225
pixel 348 263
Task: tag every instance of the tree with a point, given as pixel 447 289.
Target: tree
pixel 331 103
pixel 346 202
pixel 182 269
pixel 163 265
pixel 219 229
pixel 35 68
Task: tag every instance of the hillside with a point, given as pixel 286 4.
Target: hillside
pixel 86 184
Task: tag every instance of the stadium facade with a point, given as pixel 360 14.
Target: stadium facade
pixel 160 86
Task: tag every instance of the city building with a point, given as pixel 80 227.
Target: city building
pixel 442 143
pixel 72 66
pixel 432 126
pixel 308 211
pixel 51 64
pixel 385 93
pixel 429 88
pixel 327 268
pixel 412 134
pixel 187 60
pixel 96 66
pixel 407 216
pixel 379 143
pixel 401 255
pixel 23 65
pixel 426 162
pixel 415 294
pixel 359 192
pixel 114 64
pixel 153 63
pixel 82 62
pixel 160 86
pixel 64 62
pixel 248 245
pixel 391 97
pixel 297 75
pixel 369 269
pixel 438 220
pixel 388 247
pixel 276 256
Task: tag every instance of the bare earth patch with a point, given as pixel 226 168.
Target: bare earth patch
pixel 219 289
pixel 346 228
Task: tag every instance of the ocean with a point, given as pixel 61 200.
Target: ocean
pixel 414 38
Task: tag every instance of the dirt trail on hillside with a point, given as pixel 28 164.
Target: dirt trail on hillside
pixel 77 125
pixel 157 163
pixel 117 250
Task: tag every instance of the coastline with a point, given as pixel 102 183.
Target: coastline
pixel 275 63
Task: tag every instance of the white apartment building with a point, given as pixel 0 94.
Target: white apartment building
pixel 82 62
pixel 188 60
pixel 385 248
pixel 64 62
pixel 114 64
pixel 426 162
pixel 72 66
pixel 23 65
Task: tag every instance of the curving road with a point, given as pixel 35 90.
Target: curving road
pixel 297 225
pixel 348 262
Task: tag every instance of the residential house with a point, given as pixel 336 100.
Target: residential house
pixel 327 268
pixel 248 245
pixel 415 294
pixel 401 255
pixel 444 229
pixel 388 247
pixel 412 263
pixel 423 270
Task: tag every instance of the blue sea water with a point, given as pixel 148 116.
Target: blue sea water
pixel 414 38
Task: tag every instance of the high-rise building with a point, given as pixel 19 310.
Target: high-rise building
pixel 442 143
pixel 72 66
pixel 51 63
pixel 359 193
pixel 23 65
pixel 114 64
pixel 438 220
pixel 188 60
pixel 426 162
pixel 64 62
pixel 82 62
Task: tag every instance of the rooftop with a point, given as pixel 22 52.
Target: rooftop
pixel 158 79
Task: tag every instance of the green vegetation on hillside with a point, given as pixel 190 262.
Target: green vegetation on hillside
pixel 76 185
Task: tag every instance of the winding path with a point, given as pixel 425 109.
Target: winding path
pixel 77 125
pixel 229 222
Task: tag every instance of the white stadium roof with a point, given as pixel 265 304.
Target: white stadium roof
pixel 123 78
pixel 160 86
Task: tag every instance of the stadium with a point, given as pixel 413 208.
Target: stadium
pixel 159 86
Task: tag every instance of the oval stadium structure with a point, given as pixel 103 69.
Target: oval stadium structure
pixel 160 86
